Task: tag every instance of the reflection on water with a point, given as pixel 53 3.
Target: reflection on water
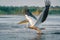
pixel 10 30
pixel 37 37
pixel 28 36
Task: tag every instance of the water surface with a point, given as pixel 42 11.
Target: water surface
pixel 10 30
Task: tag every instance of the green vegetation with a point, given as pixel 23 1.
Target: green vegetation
pixel 54 11
pixel 10 10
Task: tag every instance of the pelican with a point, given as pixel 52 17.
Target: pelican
pixel 35 21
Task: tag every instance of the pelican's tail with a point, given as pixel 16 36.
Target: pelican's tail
pixel 23 22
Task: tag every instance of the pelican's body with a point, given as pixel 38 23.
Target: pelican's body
pixel 34 21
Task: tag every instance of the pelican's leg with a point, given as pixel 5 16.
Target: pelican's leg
pixel 36 28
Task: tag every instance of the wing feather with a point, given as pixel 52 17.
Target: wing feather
pixel 42 17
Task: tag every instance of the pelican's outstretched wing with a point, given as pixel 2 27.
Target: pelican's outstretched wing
pixel 30 17
pixel 42 17
pixel 28 13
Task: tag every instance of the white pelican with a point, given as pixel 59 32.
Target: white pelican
pixel 34 21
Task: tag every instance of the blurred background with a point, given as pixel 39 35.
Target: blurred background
pixel 12 12
pixel 16 7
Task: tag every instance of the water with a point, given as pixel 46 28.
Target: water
pixel 10 30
